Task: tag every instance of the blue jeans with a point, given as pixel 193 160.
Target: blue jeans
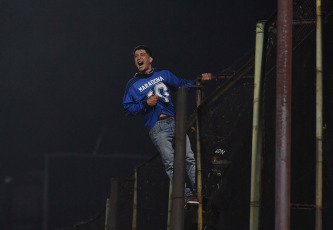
pixel 163 135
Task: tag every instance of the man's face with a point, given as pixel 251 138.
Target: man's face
pixel 143 61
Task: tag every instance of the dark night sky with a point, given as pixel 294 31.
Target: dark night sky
pixel 64 65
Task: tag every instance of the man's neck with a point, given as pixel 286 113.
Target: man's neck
pixel 148 71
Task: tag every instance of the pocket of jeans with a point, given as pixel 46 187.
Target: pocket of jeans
pixel 156 128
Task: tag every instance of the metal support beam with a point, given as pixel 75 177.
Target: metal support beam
pixel 114 197
pixel 135 199
pixel 256 166
pixel 283 115
pixel 169 206
pixel 177 220
pixel 199 176
pixel 319 119
pixel 107 215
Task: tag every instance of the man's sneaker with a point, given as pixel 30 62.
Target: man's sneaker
pixel 190 202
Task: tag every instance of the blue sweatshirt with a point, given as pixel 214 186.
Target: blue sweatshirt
pixel 142 86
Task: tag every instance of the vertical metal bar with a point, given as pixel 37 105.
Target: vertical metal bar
pixel 199 176
pixel 114 204
pixel 135 199
pixel 169 206
pixel 179 161
pixel 107 215
pixel 46 191
pixel 256 133
pixel 283 115
pixel 319 119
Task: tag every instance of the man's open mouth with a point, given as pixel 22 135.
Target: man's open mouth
pixel 140 63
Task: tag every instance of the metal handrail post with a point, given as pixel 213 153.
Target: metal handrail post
pixel 177 221
pixel 319 119
pixel 114 197
pixel 199 175
pixel 283 114
pixel 135 199
pixel 107 215
pixel 169 206
pixel 257 133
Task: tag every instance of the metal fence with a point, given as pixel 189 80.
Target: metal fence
pixel 226 135
pixel 303 138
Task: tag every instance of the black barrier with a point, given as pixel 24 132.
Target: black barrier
pixel 125 204
pixel 226 129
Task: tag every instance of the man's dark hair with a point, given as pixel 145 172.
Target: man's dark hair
pixel 143 47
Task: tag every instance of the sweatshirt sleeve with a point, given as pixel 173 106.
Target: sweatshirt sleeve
pixel 131 105
pixel 175 81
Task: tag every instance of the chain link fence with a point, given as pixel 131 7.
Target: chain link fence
pixel 226 139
